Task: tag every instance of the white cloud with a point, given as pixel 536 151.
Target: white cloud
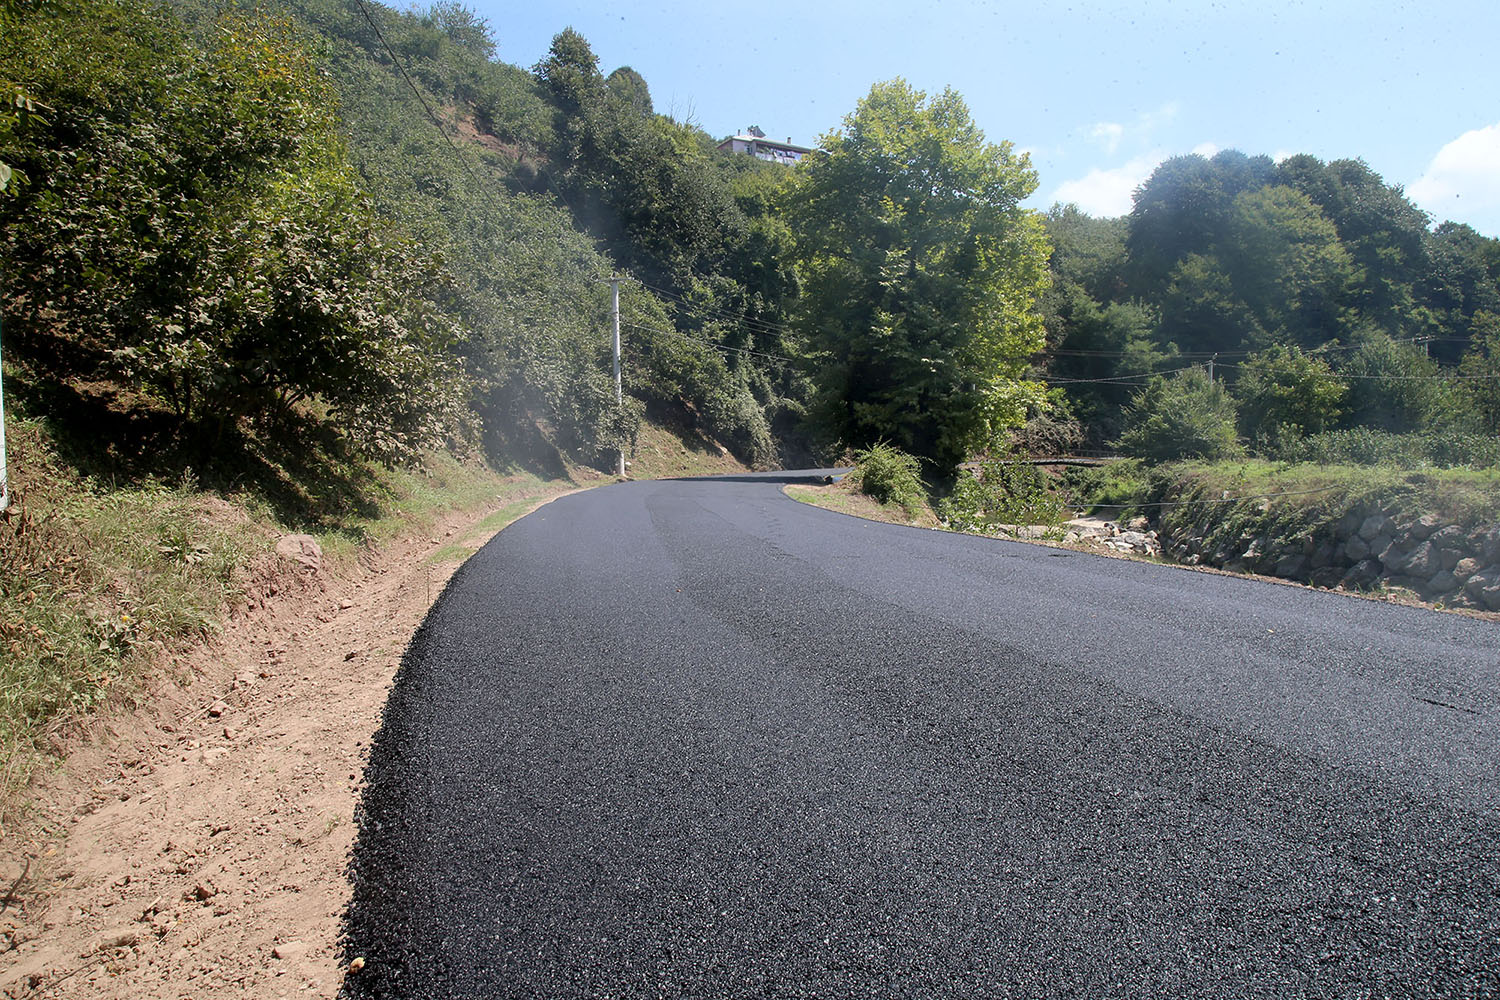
pixel 1207 149
pixel 1139 132
pixel 1152 120
pixel 1462 182
pixel 1108 135
pixel 1105 193
pixel 1281 155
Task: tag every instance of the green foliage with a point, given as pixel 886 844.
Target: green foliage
pixel 890 476
pixel 630 87
pixel 464 28
pixel 1287 264
pixel 1235 255
pixel 1115 484
pixel 1481 367
pixel 1185 208
pixel 1283 388
pixel 999 495
pixel 1368 446
pixel 1180 416
pixel 1396 388
pixel 1087 252
pixel 200 232
pixel 920 274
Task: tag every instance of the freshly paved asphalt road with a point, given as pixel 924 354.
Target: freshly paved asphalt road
pixel 693 739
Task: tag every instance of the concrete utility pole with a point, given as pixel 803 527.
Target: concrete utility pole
pixel 1211 368
pixel 614 294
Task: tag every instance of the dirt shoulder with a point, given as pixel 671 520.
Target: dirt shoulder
pixel 197 847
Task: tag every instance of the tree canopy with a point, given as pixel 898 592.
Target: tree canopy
pixel 921 273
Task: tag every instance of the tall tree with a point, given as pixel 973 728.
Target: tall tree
pixel 1183 208
pixel 1287 264
pixel 921 275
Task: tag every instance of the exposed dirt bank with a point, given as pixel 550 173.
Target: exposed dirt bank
pixel 196 848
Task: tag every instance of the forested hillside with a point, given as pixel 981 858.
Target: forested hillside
pixel 1335 324
pixel 226 226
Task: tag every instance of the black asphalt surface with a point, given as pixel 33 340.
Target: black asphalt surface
pixel 694 739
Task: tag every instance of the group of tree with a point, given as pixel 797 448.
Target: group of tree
pixel 1249 302
pixel 342 216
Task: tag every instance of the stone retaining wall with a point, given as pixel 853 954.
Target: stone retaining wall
pixel 1364 550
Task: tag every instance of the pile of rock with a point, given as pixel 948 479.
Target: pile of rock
pixel 1134 536
pixel 1437 560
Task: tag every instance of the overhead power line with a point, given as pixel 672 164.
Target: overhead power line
pixel 431 114
pixel 708 343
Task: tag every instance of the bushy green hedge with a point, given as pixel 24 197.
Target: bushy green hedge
pixel 1368 446
pixel 1001 493
pixel 890 475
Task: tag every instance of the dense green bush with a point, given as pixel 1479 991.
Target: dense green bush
pixel 1001 493
pixel 890 475
pixel 1181 416
pixel 192 227
pixel 1368 446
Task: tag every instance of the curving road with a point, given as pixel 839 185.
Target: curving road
pixel 694 739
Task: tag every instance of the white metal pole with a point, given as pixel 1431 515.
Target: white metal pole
pixel 614 294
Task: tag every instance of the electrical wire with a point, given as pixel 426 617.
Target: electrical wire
pixel 431 115
pixel 707 343
pixel 1255 496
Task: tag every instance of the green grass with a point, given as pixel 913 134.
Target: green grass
pixel 101 577
pixel 1465 496
pixel 459 551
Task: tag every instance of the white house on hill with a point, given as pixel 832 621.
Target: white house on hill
pixel 753 142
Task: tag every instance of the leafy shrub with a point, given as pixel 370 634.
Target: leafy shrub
pixel 1183 416
pixel 890 475
pixel 1369 446
pixel 1118 484
pixel 1396 388
pixel 1282 387
pixel 1002 493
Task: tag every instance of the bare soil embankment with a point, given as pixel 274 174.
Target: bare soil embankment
pixel 197 847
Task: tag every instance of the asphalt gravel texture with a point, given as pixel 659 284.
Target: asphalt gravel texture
pixel 694 739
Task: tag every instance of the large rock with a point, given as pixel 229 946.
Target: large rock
pixel 1423 526
pixel 1327 576
pixel 1482 580
pixel 1362 576
pixel 1290 566
pixel 1356 549
pixel 1466 568
pixel 1443 582
pixel 303 550
pixel 1490 596
pixel 1375 525
pixel 1489 546
pixel 1450 537
pixel 1420 562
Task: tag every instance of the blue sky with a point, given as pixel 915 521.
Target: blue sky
pixel 1097 92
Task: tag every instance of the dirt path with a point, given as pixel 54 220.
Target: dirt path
pixel 197 848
